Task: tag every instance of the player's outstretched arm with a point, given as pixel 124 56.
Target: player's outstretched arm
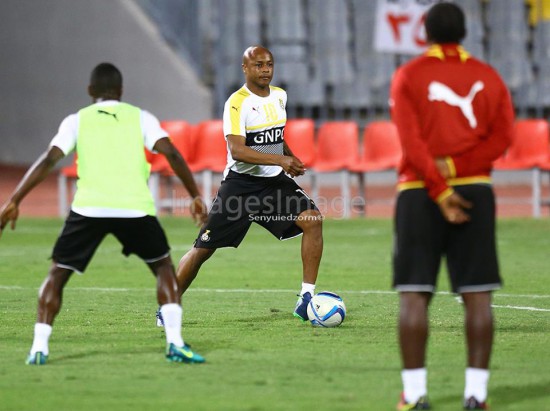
pixel 34 176
pixel 178 164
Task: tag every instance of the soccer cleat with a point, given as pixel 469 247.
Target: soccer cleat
pixel 38 358
pixel 421 404
pixel 182 354
pixel 473 404
pixel 160 320
pixel 301 306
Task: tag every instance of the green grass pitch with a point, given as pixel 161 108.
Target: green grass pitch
pixel 107 354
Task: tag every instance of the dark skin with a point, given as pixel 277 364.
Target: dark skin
pixel 51 292
pixel 258 66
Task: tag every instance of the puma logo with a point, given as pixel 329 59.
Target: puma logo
pixel 234 108
pixel 440 92
pixel 109 114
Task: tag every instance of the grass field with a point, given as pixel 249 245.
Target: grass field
pixel 107 354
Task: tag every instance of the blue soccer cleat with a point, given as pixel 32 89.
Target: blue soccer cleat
pixel 183 354
pixel 301 306
pixel 38 358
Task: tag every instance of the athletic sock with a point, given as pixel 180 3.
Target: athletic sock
pixel 42 334
pixel 308 288
pixel 476 383
pixel 414 384
pixel 171 314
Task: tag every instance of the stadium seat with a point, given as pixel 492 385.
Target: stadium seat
pixel 300 137
pixel 67 175
pixel 381 151
pixel 529 152
pixel 337 150
pixel 210 154
pixel 182 136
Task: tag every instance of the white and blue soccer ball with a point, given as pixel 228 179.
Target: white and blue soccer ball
pixel 326 309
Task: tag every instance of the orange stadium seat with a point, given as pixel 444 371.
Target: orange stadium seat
pixel 300 137
pixel 182 135
pixel 337 151
pixel 381 151
pixel 210 154
pixel 529 152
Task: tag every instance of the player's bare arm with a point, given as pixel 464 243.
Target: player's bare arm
pixel 241 152
pixel 34 176
pixel 178 164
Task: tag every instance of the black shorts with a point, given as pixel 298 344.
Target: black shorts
pixel 272 202
pixel 81 236
pixel 422 237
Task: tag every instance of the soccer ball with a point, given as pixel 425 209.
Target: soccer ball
pixel 326 309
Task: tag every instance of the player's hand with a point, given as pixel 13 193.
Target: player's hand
pixel 8 212
pixel 443 167
pixel 454 209
pixel 292 166
pixel 198 211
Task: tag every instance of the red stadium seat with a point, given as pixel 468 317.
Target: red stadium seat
pixel 381 148
pixel 337 151
pixel 210 154
pixel 529 152
pixel 300 137
pixel 381 151
pixel 181 134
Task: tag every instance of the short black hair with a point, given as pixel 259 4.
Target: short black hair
pixel 445 23
pixel 106 79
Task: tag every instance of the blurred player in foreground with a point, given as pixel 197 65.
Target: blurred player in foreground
pixel 112 197
pixel 454 116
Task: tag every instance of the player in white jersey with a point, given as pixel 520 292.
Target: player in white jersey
pixel 258 185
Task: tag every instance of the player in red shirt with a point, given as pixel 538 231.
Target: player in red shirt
pixel 455 117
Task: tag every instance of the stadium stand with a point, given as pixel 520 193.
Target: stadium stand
pixel 325 57
pixel 326 61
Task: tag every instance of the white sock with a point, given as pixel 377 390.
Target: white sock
pixel 171 314
pixel 476 383
pixel 308 288
pixel 414 384
pixel 42 334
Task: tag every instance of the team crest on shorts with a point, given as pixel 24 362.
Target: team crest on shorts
pixel 205 237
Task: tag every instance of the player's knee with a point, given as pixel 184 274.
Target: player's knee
pixel 310 220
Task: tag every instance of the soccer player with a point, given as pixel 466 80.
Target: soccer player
pixel 112 197
pixel 455 116
pixel 257 185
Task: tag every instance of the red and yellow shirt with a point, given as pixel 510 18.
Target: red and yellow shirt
pixel 448 104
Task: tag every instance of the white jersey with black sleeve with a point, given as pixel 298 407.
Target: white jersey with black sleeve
pixel 261 120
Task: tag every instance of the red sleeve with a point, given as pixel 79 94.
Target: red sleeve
pixel 479 159
pixel 416 154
